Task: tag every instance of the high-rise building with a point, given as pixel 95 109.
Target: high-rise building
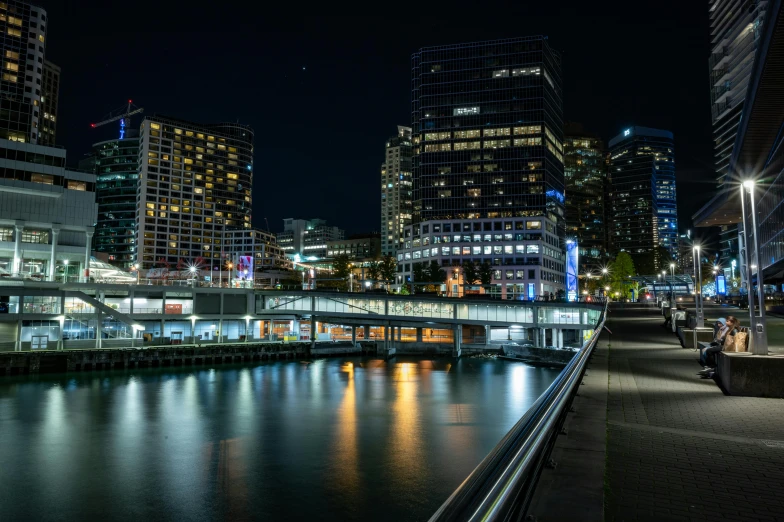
pixel 357 246
pixel 488 161
pixel 116 165
pixel 735 35
pixel 23 44
pixel 307 239
pixel 50 92
pixel 642 180
pixel 585 173
pixel 396 190
pixel 194 182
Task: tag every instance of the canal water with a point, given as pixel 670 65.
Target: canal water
pixel 331 440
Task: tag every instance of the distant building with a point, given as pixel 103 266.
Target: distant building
pixel 396 190
pixel 259 245
pixel 642 182
pixel 194 184
pixel 23 47
pixel 116 165
pixel 46 213
pixel 307 238
pixel 50 93
pixel 487 122
pixel 359 247
pixel 686 253
pixel 585 173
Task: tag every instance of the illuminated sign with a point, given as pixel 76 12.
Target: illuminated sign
pixel 721 285
pixel 572 256
pixel 627 132
pixel 122 128
pixel 555 194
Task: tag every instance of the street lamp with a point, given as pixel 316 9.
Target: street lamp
pixel 193 276
pixel 698 287
pixel 756 322
pixel 231 265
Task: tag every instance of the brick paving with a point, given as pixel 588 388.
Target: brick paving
pixel 677 447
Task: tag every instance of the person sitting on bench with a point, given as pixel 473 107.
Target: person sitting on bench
pixel 708 355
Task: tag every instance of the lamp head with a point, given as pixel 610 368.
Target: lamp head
pixel 749 183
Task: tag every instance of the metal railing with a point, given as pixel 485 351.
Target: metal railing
pixel 502 485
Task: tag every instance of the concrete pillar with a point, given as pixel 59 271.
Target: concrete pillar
pixel 99 324
pixel 367 332
pixel 220 330
pixel 457 342
pixel 419 335
pixel 16 266
pixel 53 256
pixel 313 331
pixel 487 335
pixel 560 337
pixel 163 329
pixel 353 336
pixel 247 328
pixel 87 251
pixel 399 333
pixel 18 346
pixel 386 337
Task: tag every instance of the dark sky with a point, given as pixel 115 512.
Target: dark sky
pixel 320 132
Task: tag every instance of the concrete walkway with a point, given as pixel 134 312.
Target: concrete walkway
pixel 677 447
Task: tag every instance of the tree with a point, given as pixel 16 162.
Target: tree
pixel 485 273
pixel 435 274
pixel 374 270
pixel 341 266
pixel 470 273
pixel 621 270
pixel 420 273
pixel 388 268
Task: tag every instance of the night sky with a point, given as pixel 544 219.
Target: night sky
pixel 325 88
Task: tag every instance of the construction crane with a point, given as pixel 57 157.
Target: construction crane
pixel 124 117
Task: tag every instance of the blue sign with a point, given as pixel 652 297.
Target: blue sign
pixel 572 256
pixel 555 194
pixel 721 285
pixel 531 291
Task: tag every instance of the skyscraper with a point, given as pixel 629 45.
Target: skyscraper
pixel 585 172
pixel 396 190
pixel 116 165
pixel 23 45
pixel 735 34
pixel 642 181
pixel 488 162
pixel 50 95
pixel 194 182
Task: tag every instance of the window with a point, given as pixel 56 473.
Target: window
pixel 155 126
pixel 463 111
pixel 11 66
pixel 508 249
pixel 528 142
pixel 532 249
pixel 467 134
pixel 11 54
pixel 42 178
pixel 533 225
pixel 501 73
pixel 496 144
pixel 526 71
pixel 76 185
pixel 9 77
pixel 14 32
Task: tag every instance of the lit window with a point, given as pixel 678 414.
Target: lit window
pixel 11 66
pixel 501 73
pixel 77 185
pixel 11 54
pixel 9 77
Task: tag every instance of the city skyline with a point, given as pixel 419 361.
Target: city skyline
pixel 314 79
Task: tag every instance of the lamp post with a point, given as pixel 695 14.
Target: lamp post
pixel 193 276
pixel 757 322
pixel 231 265
pixel 672 277
pixel 698 288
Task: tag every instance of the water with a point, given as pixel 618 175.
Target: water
pixel 337 439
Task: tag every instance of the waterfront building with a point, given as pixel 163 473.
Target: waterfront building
pixel 357 246
pixel 116 166
pixel 47 213
pixel 735 36
pixel 488 154
pixel 50 94
pixel 396 190
pixel 757 154
pixel 643 194
pixel 306 239
pixel 585 173
pixel 194 183
pixel 23 48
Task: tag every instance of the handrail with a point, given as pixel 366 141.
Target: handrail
pixel 501 486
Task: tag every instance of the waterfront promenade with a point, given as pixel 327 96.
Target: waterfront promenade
pixel 677 447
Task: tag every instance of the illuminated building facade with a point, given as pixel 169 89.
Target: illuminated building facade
pixel 116 166
pixel 643 193
pixel 50 95
pixel 488 162
pixel 23 43
pixel 585 172
pixel 194 182
pixel 396 190
pixel 307 239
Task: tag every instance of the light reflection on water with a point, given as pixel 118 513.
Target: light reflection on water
pixel 339 439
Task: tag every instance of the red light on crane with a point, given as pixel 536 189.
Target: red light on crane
pixel 130 101
pixel 92 125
